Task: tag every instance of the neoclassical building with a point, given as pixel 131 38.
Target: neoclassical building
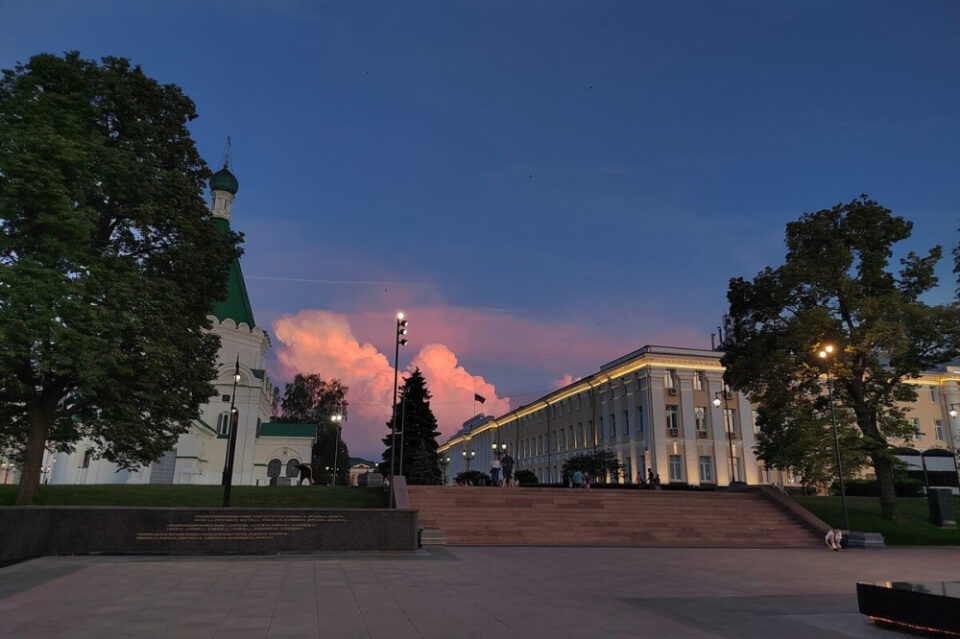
pixel 263 449
pixel 665 409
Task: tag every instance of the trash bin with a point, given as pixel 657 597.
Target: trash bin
pixel 941 507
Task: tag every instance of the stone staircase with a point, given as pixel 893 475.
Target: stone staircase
pixel 475 516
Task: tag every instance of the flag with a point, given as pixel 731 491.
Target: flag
pixel 479 398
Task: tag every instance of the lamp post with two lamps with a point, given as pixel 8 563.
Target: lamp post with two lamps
pixel 468 456
pixel 400 341
pixel 729 431
pixel 232 441
pixel 825 354
pixel 6 467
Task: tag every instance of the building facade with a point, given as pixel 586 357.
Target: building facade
pixel 665 410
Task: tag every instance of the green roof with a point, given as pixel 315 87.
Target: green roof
pixel 224 180
pixel 288 430
pixel 237 305
pixel 257 372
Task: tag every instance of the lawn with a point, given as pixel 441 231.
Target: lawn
pixel 203 496
pixel 913 527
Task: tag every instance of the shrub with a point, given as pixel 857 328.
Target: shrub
pixel 904 486
pixel 525 477
pixel 472 478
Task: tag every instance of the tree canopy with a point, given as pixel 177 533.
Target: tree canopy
pixel 836 287
pixel 416 435
pixel 310 399
pixel 109 263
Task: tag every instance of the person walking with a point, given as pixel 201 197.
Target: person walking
pixel 649 478
pixel 495 470
pixel 578 478
pixel 656 481
pixel 507 463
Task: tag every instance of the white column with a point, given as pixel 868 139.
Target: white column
pixel 689 429
pixel 721 447
pixel 751 468
pixel 658 431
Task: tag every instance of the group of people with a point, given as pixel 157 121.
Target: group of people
pixel 652 480
pixel 501 470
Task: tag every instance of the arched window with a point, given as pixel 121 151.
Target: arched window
pixel 273 468
pixel 223 424
pixel 292 470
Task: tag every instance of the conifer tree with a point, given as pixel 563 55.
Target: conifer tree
pixel 416 435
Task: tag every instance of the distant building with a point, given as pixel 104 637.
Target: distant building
pixel 655 409
pixel 360 467
pixel 264 449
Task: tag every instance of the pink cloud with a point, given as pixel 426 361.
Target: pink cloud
pixel 322 342
pixel 566 380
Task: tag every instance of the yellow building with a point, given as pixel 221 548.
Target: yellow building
pixel 664 409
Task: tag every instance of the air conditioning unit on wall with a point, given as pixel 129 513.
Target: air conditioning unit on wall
pixel 672 391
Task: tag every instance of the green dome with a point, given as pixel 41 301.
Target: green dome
pixel 223 180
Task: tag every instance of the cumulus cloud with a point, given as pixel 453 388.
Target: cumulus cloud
pixel 322 342
pixel 566 380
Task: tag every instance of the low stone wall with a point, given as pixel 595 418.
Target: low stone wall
pixel 34 531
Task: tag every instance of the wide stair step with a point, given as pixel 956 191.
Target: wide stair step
pixel 569 517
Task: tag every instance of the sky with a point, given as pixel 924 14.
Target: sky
pixel 541 186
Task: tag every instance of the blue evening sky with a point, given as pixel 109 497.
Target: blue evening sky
pixel 604 164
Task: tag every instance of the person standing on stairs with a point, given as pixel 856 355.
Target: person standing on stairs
pixel 507 463
pixel 495 470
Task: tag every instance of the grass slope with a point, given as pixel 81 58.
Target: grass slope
pixel 913 527
pixel 149 495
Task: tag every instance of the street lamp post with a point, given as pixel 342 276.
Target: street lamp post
pixel 232 440
pixel 468 456
pixel 400 341
pixel 826 352
pixel 445 463
pixel 336 451
pixel 729 433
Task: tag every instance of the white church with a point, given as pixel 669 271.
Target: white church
pixel 264 449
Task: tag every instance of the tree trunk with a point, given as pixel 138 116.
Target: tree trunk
pixel 40 420
pixel 888 494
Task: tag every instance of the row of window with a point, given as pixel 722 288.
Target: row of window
pixel 938 431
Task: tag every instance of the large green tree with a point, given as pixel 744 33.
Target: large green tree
pixel 416 434
pixel 109 263
pixel 836 287
pixel 310 399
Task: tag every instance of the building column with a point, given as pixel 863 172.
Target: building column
pixel 658 431
pixel 689 428
pixel 721 447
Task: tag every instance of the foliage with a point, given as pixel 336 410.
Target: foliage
pixel 596 465
pixel 525 477
pixel 310 399
pixel 796 434
pixel 472 478
pixel 171 496
pixel 110 263
pixel 835 287
pixel 913 527
pixel 904 486
pixel 416 433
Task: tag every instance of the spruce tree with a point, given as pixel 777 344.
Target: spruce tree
pixel 416 435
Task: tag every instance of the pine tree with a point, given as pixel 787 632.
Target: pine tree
pixel 416 435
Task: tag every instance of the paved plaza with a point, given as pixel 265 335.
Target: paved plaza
pixel 489 593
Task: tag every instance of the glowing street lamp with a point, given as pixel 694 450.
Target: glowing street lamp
pixel 401 341
pixel 444 462
pixel 827 352
pixel 336 419
pixel 232 441
pixel 468 456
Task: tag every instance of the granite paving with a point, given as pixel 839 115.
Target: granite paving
pixel 469 592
